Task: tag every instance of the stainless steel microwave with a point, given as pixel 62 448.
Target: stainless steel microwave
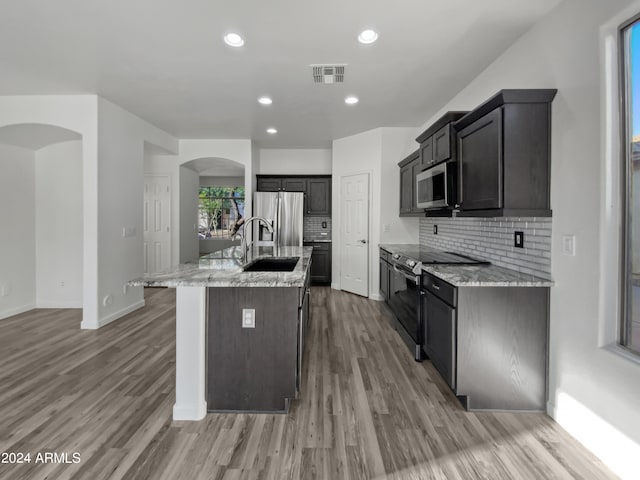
pixel 435 187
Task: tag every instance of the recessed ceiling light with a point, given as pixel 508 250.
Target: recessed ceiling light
pixel 265 100
pixel 351 100
pixel 233 40
pixel 272 131
pixel 368 36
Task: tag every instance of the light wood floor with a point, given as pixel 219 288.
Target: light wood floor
pixel 367 410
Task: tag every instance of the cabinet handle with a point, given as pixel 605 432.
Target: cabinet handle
pixel 435 286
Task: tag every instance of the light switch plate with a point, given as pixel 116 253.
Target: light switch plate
pixel 248 318
pixel 569 245
pixel 518 239
pixel 128 232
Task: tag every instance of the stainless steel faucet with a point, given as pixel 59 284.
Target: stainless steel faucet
pixel 243 237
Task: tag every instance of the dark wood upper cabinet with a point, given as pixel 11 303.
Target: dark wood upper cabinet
pixel 480 154
pixel 318 196
pixel 294 184
pixel 442 144
pixel 426 153
pixel 317 190
pixel 269 184
pixel 409 168
pixel 504 154
pixel 437 142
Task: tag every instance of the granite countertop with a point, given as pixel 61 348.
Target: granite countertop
pixel 224 269
pixel 472 275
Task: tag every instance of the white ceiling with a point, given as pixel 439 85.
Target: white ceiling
pixel 165 60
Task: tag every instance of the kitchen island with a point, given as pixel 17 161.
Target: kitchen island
pixel 239 334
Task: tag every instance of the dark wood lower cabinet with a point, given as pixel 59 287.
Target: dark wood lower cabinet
pixel 385 269
pixel 254 369
pixel 320 263
pixel 489 343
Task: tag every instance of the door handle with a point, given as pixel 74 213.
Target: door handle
pixel 362 241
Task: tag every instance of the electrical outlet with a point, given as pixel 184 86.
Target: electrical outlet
pixel 107 301
pixel 518 239
pixel 435 229
pixel 569 245
pixel 386 228
pixel 248 318
pixel 125 289
pixel 61 283
pixel 5 289
pixel 324 224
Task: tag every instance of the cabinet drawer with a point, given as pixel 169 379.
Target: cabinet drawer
pixel 440 288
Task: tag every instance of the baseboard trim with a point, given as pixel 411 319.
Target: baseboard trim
pixel 189 412
pixel 335 286
pixel 113 316
pixel 16 311
pixel 377 297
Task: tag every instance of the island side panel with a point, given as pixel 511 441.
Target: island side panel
pixel 502 347
pixel 251 369
pixel 190 354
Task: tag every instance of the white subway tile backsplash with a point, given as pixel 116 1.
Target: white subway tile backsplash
pixel 492 239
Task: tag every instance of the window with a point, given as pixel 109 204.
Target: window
pixel 219 210
pixel 630 324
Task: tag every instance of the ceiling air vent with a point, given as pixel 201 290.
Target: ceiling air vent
pixel 328 73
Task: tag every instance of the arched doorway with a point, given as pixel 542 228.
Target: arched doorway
pixel 41 253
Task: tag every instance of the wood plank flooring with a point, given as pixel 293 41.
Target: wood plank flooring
pixel 366 409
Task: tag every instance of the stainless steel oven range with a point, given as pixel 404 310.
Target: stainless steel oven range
pixel 405 292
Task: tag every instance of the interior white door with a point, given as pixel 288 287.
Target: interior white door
pixel 354 238
pixel 156 223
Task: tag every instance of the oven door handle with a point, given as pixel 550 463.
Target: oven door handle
pixel 406 275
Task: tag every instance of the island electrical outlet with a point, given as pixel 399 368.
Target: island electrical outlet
pixel 248 318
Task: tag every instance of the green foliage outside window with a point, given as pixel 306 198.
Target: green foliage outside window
pixel 220 210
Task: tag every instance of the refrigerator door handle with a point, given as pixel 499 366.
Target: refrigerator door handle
pixel 277 238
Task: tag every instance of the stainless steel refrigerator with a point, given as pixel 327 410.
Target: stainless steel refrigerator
pixel 284 210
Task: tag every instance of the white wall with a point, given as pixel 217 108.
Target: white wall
pixel 121 147
pixel 77 113
pixel 189 188
pixel 397 143
pixel 594 389
pixel 293 161
pixel 58 225
pixel 17 241
pixel 374 152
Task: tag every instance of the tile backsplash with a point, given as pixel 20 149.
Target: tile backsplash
pixel 492 239
pixel 313 229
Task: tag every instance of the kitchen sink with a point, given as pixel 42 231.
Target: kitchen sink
pixel 272 265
